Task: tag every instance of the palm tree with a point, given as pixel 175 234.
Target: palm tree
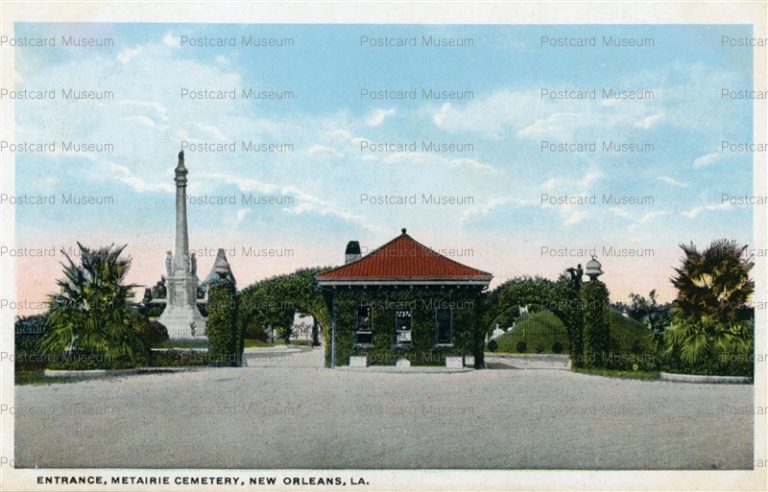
pixel 712 314
pixel 92 311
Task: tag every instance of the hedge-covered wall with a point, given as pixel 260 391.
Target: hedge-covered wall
pixel 224 336
pixel 423 301
pixel 597 331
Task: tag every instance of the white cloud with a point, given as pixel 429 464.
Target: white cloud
pixel 573 216
pixel 304 202
pixel 158 108
pixel 592 176
pixel 378 116
pixel 485 208
pixel 649 216
pixel 649 121
pixel 489 115
pixel 128 54
pixel 213 131
pixel 472 164
pixel 620 212
pixel 125 175
pixel 170 40
pixel 241 215
pixel 672 181
pixel 557 124
pixel 244 184
pixel 324 150
pixel 342 134
pixel 706 160
pixel 143 120
pixel 696 211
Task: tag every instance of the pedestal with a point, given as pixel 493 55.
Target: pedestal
pixel 181 310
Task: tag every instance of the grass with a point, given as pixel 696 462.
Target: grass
pixel 541 330
pixel 183 344
pixel 37 377
pixel 613 373
pixel 252 342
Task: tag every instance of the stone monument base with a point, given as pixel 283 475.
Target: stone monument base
pixel 178 320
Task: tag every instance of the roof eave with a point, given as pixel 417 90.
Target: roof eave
pixel 478 281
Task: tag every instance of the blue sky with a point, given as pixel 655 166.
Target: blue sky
pixel 505 225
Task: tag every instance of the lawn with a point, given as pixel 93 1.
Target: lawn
pixel 183 344
pixel 37 377
pixel 612 373
pixel 188 344
pixel 252 342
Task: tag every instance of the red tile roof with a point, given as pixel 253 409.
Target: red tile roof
pixel 404 259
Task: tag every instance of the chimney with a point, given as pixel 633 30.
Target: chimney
pixel 352 253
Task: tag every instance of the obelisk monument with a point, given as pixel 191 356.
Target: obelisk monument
pixel 181 316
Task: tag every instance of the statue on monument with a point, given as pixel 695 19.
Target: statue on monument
pixel 169 263
pixel 193 264
pixel 576 275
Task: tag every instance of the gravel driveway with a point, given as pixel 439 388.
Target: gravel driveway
pixel 305 417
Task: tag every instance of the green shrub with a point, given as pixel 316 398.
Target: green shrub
pixel 557 348
pixel 493 345
pixel 153 310
pixel 179 358
pixel 720 352
pixel 29 332
pixel 255 331
pixel 152 333
pixel 521 346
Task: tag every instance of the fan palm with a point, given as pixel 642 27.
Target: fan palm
pixel 92 311
pixel 711 312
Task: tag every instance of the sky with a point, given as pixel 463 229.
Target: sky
pixel 504 183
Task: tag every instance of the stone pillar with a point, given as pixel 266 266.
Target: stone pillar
pixel 181 251
pixel 181 316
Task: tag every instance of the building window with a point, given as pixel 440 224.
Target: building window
pixel 443 326
pixel 403 325
pixel 364 326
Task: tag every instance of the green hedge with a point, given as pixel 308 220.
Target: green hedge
pixel 597 329
pixel 226 341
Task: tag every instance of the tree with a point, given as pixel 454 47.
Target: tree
pixel 503 304
pixel 654 316
pixel 712 317
pixel 92 311
pixel 274 301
